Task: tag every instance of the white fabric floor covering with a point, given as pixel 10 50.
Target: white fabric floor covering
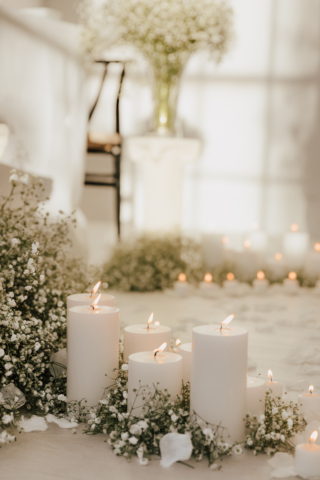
pixel 284 334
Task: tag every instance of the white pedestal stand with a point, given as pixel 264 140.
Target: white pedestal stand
pixel 162 160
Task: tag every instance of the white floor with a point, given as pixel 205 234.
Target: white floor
pixel 283 330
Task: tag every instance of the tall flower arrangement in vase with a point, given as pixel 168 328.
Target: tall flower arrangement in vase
pixel 166 32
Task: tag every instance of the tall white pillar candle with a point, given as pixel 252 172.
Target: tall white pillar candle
pixel 139 338
pixel 276 388
pixel 256 391
pixel 307 458
pixel 185 350
pixel 93 351
pixel 309 402
pixel 219 377
pixel 164 371
pixel 79 299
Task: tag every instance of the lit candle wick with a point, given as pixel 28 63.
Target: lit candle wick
pixel 95 288
pixel 150 320
pixel 226 321
pixel 160 349
pixel 95 302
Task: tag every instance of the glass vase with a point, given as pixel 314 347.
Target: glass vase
pixel 165 104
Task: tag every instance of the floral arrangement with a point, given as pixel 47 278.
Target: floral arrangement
pixel 135 436
pixel 273 431
pixel 166 32
pixel 150 264
pixel 36 275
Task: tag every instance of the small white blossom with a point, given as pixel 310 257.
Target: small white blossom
pixel 124 367
pixel 133 440
pixel 1 352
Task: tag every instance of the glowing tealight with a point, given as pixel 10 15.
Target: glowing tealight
pixel 270 375
pixel 160 349
pixel 311 388
pixel 292 275
pixel 182 277
pixel 163 119
pixel 95 302
pixel 261 275
pixel 95 288
pixel 294 227
pixel 247 243
pixel 225 240
pixel 317 247
pixel 208 277
pixel 278 256
pixel 178 342
pixel 313 437
pixel 157 323
pixel 230 276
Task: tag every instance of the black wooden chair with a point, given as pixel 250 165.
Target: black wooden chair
pixel 101 143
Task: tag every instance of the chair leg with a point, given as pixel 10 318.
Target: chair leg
pixel 117 162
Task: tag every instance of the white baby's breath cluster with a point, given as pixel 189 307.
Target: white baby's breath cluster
pixel 272 432
pixel 130 435
pixel 36 275
pixel 166 32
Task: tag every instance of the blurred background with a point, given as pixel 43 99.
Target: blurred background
pixel 257 116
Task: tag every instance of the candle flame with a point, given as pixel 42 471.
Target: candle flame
pixel 95 302
pixel 247 243
pixel 292 275
pixel 294 227
pixel 150 320
pixel 317 247
pixel 225 240
pixel 178 342
pixel 278 256
pixel 261 275
pixel 157 323
pixel 95 288
pixel 313 437
pixel 182 277
pixel 160 349
pixel 270 375
pixel 227 320
pixel 311 388
pixel 208 277
pixel 230 276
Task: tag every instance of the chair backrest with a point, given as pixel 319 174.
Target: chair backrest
pixel 106 63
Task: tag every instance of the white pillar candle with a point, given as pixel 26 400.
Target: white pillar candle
pixel 182 287
pixel 309 402
pixel 260 284
pixel 219 377
pixel 185 350
pixel 93 351
pixel 164 371
pixel 291 284
pixel 277 266
pixel 307 458
pixel 140 338
pixel 256 391
pixel 212 247
pixel 231 284
pixel 208 288
pixel 295 245
pixel 275 387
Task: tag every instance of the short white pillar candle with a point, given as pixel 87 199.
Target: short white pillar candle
pixel 164 371
pixel 231 284
pixel 309 402
pixel 260 284
pixel 276 388
pixel 144 338
pixel 295 246
pixel 93 351
pixel 219 377
pixel 307 458
pixel 182 287
pixel 256 390
pixel 291 284
pixel 88 297
pixel 185 350
pixel 208 288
